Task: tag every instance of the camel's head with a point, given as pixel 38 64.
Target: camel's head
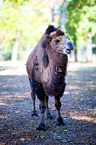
pixel 58 41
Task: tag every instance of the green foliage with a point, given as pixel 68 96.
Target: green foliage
pixel 27 18
pixel 30 19
pixel 81 18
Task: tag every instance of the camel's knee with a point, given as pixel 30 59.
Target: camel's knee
pixel 58 105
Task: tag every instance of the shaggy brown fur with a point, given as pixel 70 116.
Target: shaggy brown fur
pixel 46 68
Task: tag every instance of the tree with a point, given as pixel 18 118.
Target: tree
pixel 24 17
pixel 80 20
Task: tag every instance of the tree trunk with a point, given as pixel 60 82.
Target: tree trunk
pixel 52 14
pixel 15 47
pixel 52 6
pixel 5 48
pixel 75 50
pixel 89 47
pixel 63 16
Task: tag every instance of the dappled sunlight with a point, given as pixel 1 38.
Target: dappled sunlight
pixel 7 100
pixel 74 87
pixel 90 82
pixel 13 68
pixel 17 111
pixel 3 104
pixel 5 93
pixel 15 71
pixel 3 117
pixel 81 66
pixel 13 89
pixel 94 75
pixel 22 24
pixel 77 109
pixel 66 92
pixel 92 86
pixel 86 118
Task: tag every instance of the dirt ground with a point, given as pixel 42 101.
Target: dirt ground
pixel 78 110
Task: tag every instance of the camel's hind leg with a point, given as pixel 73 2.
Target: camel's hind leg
pixel 34 112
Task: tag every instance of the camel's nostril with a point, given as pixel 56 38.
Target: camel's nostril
pixel 70 45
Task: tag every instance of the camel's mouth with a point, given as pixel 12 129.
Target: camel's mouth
pixel 68 51
pixel 63 50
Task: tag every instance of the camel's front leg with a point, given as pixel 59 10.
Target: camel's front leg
pixel 39 91
pixel 58 106
pixel 42 109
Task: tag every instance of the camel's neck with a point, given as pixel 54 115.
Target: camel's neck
pixel 58 74
pixel 58 67
pixel 60 64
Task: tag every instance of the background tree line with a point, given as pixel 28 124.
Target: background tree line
pixel 22 23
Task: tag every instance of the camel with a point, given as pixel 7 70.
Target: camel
pixel 47 67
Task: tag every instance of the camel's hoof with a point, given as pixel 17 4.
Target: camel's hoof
pixel 34 113
pixel 49 116
pixel 41 127
pixel 60 121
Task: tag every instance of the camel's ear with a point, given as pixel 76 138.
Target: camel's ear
pixel 50 29
pixel 59 33
pixel 56 33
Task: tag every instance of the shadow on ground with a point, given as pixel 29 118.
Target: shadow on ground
pixel 78 110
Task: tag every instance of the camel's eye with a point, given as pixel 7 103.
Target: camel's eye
pixel 57 41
